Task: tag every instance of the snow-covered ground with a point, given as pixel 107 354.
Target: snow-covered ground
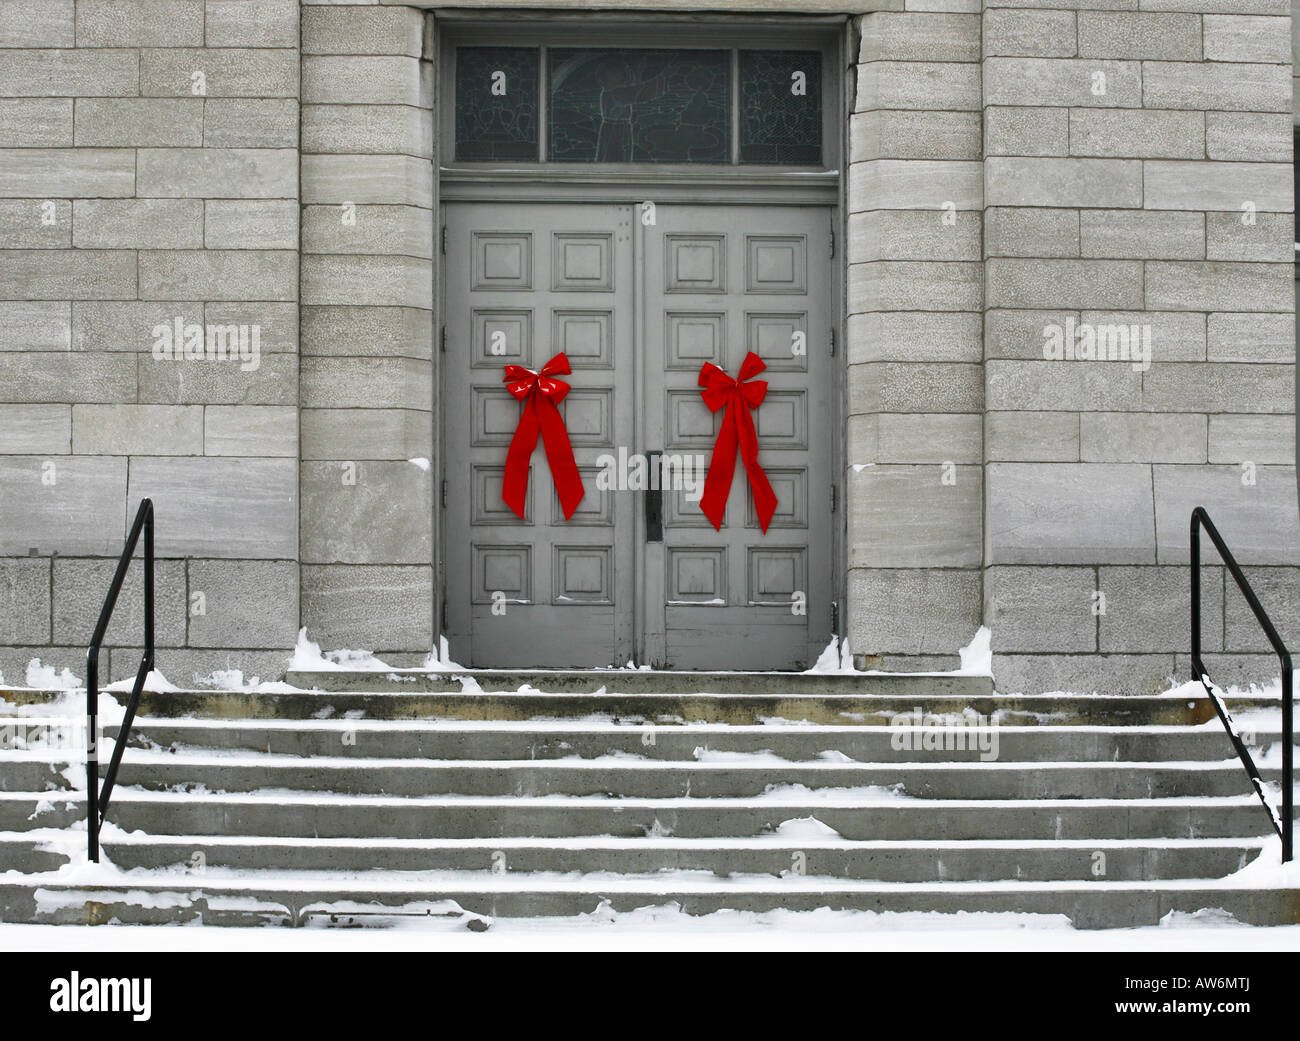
pixel 667 929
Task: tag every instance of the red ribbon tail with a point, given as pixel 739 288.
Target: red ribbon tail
pixel 764 497
pixel 559 453
pixel 514 485
pixel 722 467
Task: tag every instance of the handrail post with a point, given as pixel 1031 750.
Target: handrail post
pixel 1288 776
pixel 1195 551
pixel 92 754
pixel 97 798
pixel 148 588
pixel 1284 824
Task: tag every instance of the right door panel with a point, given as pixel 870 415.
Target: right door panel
pixel 719 282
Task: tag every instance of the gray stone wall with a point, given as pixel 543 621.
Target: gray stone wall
pixel 368 243
pixel 1137 172
pixel 148 174
pixel 1013 169
pixel 916 384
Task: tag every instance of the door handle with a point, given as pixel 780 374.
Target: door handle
pixel 654 500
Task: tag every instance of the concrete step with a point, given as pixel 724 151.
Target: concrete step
pixel 777 855
pixel 878 861
pixel 798 743
pixel 744 709
pixel 365 807
pixel 461 817
pixel 295 901
pixel 640 681
pixel 617 777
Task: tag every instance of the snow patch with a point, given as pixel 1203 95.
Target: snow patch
pixel 836 659
pixel 865 795
pixel 440 660
pixel 155 681
pixel 1268 872
pixel 805 828
pixel 47 677
pixel 51 901
pixel 1194 689
pixel 307 657
pixel 1205 918
pixel 977 656
pixel 704 754
pixel 233 679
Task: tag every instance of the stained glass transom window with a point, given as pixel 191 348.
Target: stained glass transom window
pixel 496 103
pixel 638 105
pixel 781 107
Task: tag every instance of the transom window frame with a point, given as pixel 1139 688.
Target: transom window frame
pixel 824 35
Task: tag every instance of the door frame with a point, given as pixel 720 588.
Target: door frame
pixel 669 184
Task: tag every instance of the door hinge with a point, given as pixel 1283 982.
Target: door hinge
pixel 443 244
pixel 442 340
pixel 442 495
pixel 832 243
pixel 835 617
pixel 835 498
pixel 832 341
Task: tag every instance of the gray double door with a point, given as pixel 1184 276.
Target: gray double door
pixel 638 574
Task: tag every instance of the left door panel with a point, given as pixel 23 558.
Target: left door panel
pixel 525 281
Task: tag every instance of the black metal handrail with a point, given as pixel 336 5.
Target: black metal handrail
pixel 1201 519
pixel 97 799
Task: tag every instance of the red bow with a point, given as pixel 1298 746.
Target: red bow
pixel 540 394
pixel 738 397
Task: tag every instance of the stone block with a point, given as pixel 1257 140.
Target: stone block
pixel 79 588
pixel 139 122
pixel 1041 608
pixel 377 608
pixel 24 598
pixel 1142 437
pixel 229 508
pixel 906 516
pixel 1259 439
pixel 137 430
pixel 252 224
pixel 137 224
pixel 233 274
pixel 243 603
pixel 71 506
pixel 139 23
pixel 1069 513
pixel 250 430
pixel 1031 437
pixel 385 517
pixel 228 72
pixel 1258 521
pixel 912 611
pixel 1137 133
pixel 42 173
pixel 35 429
pixel 252 23
pixel 219 173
